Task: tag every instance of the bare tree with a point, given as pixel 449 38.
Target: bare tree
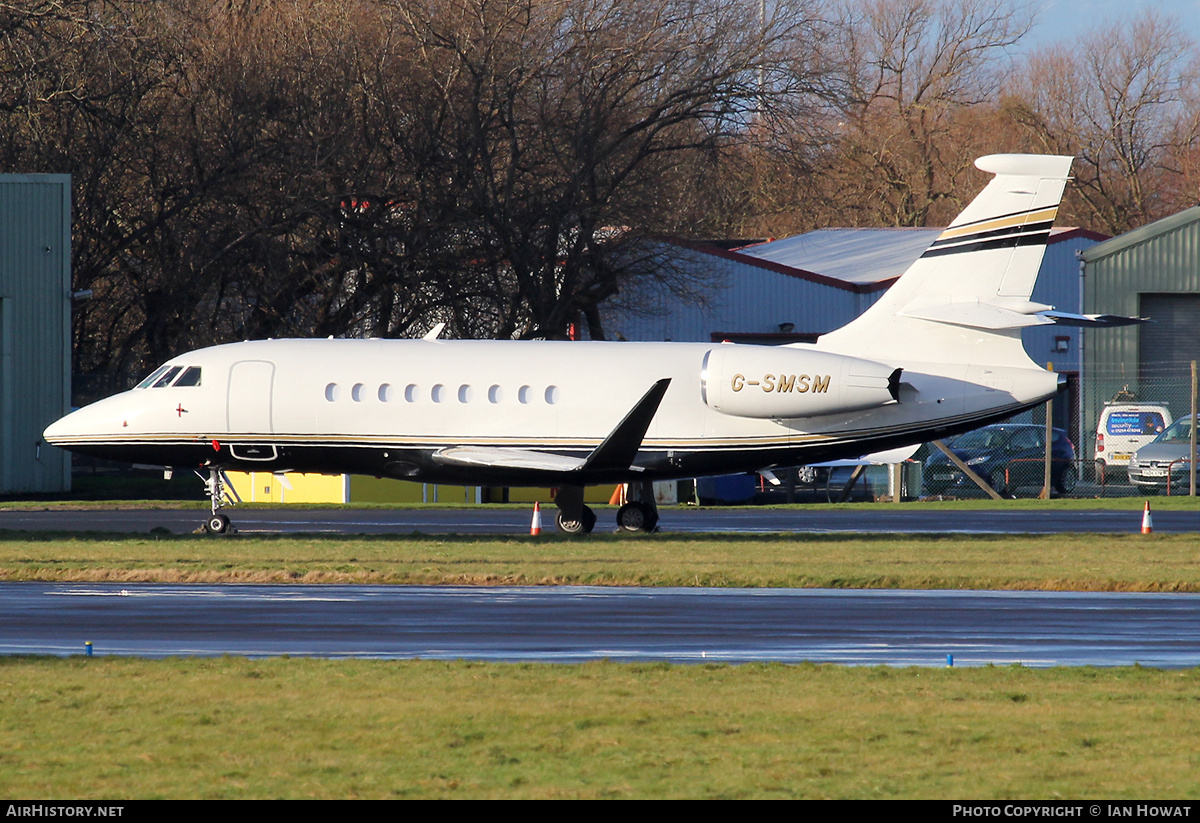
pixel 559 124
pixel 917 71
pixel 1122 101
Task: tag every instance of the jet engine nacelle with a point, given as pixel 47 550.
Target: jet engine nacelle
pixel 784 382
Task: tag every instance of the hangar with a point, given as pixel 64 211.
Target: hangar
pixel 1153 272
pixel 35 329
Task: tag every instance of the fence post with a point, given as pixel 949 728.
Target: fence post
pixel 1045 495
pixel 1192 453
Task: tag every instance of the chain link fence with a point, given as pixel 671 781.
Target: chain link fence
pixel 1113 435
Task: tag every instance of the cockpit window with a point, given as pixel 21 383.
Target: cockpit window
pixel 168 377
pixel 190 377
pixel 150 381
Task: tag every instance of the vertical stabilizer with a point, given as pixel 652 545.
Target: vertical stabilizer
pixel 968 294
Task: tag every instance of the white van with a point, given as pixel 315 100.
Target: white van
pixel 1122 430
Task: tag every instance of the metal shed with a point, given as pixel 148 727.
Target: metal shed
pixel 35 328
pixel 1152 271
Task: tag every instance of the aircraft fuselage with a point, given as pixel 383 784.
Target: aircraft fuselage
pixel 390 407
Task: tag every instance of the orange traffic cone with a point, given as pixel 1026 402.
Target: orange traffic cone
pixel 535 527
pixel 1147 522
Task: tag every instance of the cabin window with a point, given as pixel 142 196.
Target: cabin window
pixel 495 395
pixel 439 393
pixel 168 377
pixel 386 393
pixel 190 377
pixel 524 393
pixel 331 392
pixel 465 394
pixel 410 393
pixel 552 395
pixel 356 392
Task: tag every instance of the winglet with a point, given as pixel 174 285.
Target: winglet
pixel 621 446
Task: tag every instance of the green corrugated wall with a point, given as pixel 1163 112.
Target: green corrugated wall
pixel 1161 258
pixel 35 328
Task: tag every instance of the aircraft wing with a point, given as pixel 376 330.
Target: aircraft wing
pixel 498 457
pixel 897 455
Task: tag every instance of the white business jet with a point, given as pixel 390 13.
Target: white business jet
pixel 939 353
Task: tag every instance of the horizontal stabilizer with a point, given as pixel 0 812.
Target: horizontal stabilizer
pixel 977 316
pixel 1063 318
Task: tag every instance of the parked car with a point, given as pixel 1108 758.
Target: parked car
pixel 1006 456
pixel 1122 429
pixel 1166 456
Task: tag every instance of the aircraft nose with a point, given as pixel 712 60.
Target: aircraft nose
pixel 85 426
pixel 61 429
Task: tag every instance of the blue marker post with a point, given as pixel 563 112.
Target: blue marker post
pixel 949 661
pixel 88 646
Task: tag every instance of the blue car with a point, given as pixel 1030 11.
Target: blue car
pixel 1006 456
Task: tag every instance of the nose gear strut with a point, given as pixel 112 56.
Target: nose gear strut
pixel 220 493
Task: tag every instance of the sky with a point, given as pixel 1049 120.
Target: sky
pixel 1061 20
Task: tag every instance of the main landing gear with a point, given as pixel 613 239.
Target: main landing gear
pixel 582 524
pixel 637 515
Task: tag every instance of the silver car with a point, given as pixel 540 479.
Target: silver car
pixel 1165 457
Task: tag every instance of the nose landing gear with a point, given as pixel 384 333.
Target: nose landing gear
pixel 219 492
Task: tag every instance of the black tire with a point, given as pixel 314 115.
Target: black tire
pixel 217 524
pixel 636 517
pixel 996 481
pixel 584 525
pixel 1067 478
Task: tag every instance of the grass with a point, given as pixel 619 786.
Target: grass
pixel 1061 562
pixel 235 728
pixel 112 728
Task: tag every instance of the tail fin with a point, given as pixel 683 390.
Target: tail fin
pixel 971 287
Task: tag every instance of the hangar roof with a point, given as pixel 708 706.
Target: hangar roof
pixel 861 260
pixel 1142 234
pixel 859 256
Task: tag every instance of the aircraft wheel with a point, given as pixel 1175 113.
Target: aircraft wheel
pixel 582 526
pixel 217 524
pixel 636 517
